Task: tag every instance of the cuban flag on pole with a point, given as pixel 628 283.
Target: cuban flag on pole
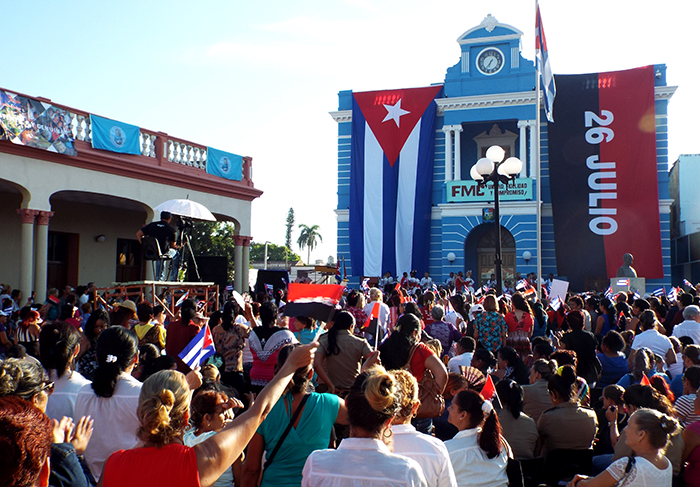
pixel 199 349
pixel 544 68
pixel 391 177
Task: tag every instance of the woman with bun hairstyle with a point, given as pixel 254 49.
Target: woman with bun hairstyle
pixel 428 451
pixel 163 417
pixel 372 403
pixel 566 425
pixel 112 398
pixel 648 436
pixel 59 346
pixel 637 397
pixel 536 397
pixel 479 453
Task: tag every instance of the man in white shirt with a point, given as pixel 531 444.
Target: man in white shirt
pixel 465 352
pixel 691 326
pixel 376 299
pixel 426 283
pixel 653 340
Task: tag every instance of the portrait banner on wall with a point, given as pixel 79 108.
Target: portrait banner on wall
pixel 34 123
pixel 603 175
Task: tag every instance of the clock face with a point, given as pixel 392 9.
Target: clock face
pixel 489 61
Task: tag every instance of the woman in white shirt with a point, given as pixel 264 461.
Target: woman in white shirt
pixel 648 433
pixel 113 397
pixel 59 345
pixel 430 453
pixel 364 459
pixel 479 454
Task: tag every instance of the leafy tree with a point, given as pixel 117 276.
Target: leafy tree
pixel 274 252
pixel 307 238
pixel 214 239
pixel 290 226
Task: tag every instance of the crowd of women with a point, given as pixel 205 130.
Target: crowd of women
pixel 597 392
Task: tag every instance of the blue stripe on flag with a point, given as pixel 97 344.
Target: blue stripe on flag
pixel 114 136
pixel 424 186
pixel 195 353
pixel 389 195
pixel 357 191
pixel 224 164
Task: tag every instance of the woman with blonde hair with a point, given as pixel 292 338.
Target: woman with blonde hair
pixel 164 413
pixel 648 433
pixel 372 403
pixel 430 453
pixel 490 326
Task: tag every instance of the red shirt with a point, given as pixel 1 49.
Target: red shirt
pixel 513 324
pixel 178 337
pixel 174 465
pixel 418 360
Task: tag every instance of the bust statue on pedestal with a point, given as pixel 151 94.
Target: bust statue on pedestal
pixel 626 269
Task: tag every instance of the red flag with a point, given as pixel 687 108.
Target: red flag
pixel 645 380
pixel 489 389
pixel 374 315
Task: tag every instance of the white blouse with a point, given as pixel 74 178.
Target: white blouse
pixel 361 462
pixel 62 400
pixel 115 418
pixel 471 465
pixel 642 474
pixel 430 453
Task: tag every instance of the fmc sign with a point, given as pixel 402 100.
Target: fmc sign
pixel 469 191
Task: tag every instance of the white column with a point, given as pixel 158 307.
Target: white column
pixel 238 264
pixel 42 251
pixel 458 152
pixel 522 125
pixel 448 152
pixel 533 149
pixel 26 255
pixel 246 263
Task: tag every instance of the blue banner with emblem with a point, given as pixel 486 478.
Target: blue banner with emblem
pixel 224 164
pixel 115 136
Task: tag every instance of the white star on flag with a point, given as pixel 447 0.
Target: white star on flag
pixel 395 112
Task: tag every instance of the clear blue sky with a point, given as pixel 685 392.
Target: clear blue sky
pixel 259 78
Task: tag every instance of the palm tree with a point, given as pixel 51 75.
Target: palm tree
pixel 307 238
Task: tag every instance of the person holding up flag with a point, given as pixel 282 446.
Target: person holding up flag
pixel 181 332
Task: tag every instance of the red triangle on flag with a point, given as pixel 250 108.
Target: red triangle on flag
pixel 393 114
pixel 489 388
pixel 645 380
pixel 374 315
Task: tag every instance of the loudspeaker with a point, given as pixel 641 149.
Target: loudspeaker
pixel 211 269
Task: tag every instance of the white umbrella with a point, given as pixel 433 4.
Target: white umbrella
pixel 188 208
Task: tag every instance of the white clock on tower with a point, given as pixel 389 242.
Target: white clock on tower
pixel 490 61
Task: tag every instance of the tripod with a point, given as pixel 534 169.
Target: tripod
pixel 182 271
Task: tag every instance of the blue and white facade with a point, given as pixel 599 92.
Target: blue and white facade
pixel 489 98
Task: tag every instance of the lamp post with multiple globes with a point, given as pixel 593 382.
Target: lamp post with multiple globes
pixel 493 168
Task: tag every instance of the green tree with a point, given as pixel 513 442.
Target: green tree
pixel 274 252
pixel 214 239
pixel 290 226
pixel 307 238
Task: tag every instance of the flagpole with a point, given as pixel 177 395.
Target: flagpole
pixel 538 286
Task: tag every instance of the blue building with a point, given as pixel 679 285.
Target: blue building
pixel 489 98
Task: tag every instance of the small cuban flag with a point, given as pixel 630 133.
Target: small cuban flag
pixel 224 164
pixel 623 282
pixel 672 295
pixel 115 136
pixel 609 292
pixel 199 349
pixel 658 292
pixel 687 283
pixel 555 302
pixel 365 284
pixel 182 299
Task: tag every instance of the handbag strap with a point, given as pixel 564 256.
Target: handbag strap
pixel 286 432
pixel 410 357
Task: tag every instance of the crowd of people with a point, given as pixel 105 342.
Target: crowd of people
pixel 408 384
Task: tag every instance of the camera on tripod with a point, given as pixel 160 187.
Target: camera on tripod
pixel 184 223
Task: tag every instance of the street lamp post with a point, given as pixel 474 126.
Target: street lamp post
pixel 493 168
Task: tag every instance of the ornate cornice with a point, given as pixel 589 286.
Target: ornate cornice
pixel 43 217
pixel 495 100
pixel 26 215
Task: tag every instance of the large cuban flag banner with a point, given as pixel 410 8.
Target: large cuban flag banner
pixel 391 176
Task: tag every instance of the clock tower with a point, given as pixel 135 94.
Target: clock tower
pixel 490 62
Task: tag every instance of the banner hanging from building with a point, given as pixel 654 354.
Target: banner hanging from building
pixel 519 189
pixel 114 136
pixel 391 177
pixel 34 123
pixel 603 175
pixel 224 164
